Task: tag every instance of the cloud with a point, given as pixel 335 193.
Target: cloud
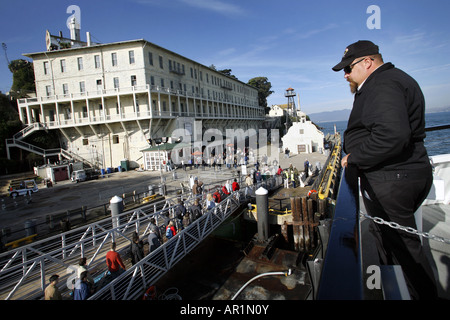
pixel 310 33
pixel 216 6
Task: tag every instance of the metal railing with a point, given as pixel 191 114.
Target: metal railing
pixel 24 270
pixel 331 174
pixel 133 282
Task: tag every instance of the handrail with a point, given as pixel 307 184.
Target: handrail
pixel 330 173
pixel 341 276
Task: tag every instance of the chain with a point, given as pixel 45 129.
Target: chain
pixel 411 230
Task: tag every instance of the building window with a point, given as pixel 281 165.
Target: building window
pixel 161 65
pixel 97 61
pixel 82 87
pixel 152 80
pixel 65 88
pixel 116 83
pixel 150 58
pixel 85 142
pixel 48 90
pixel 63 65
pixel 133 81
pixel 131 56
pixel 46 67
pixel 115 139
pixel 99 85
pixel 80 63
pixel 114 59
pixel 162 82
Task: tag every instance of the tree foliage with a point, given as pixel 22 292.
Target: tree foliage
pixel 23 78
pixel 263 85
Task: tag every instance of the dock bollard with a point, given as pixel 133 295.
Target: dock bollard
pixel 262 213
pixel 116 206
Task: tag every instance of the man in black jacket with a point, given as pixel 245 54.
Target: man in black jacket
pixel 384 140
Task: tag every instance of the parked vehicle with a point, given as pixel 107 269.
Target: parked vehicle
pixel 84 175
pixel 78 176
pixel 26 187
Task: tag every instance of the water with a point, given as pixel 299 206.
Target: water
pixel 436 142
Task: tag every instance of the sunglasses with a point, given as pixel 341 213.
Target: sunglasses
pixel 348 69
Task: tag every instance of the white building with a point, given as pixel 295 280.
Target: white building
pixel 106 100
pixel 303 137
pixel 276 111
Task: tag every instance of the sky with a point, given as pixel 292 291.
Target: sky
pixel 294 43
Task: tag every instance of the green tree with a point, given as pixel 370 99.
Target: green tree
pixel 23 78
pixel 263 86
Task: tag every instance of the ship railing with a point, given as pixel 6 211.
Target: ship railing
pixel 345 272
pixel 341 274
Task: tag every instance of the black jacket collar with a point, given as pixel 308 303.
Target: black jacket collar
pixel 382 68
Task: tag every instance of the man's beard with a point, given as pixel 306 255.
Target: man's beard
pixel 353 86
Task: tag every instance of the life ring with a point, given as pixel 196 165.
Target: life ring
pixel 311 192
pixel 150 294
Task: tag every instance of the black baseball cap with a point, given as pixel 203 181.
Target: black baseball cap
pixel 355 50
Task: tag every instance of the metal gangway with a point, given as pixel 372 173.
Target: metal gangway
pixel 24 271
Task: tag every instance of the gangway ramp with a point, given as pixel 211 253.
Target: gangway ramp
pixel 24 272
pixel 131 284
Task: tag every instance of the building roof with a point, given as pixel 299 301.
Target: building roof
pixel 96 45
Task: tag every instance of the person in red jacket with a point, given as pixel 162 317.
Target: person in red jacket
pixel 235 185
pixel 114 262
pixel 170 230
pixel 225 190
pixel 217 197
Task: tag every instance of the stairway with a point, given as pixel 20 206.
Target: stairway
pixel 17 142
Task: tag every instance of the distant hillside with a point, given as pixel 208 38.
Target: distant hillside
pixel 342 115
pixel 337 115
pixel 441 109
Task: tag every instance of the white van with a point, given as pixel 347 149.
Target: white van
pixel 78 175
pixel 24 188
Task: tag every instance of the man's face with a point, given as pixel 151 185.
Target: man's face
pixel 355 74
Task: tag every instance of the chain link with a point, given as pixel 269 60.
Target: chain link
pixel 411 230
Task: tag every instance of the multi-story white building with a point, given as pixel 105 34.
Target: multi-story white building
pixel 106 100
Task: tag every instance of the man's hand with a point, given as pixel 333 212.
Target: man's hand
pixel 344 161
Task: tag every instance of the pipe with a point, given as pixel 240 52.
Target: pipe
pixel 278 273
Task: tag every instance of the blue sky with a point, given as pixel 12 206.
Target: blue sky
pixel 292 43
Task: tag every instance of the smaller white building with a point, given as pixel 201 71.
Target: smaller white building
pixel 276 111
pixel 303 137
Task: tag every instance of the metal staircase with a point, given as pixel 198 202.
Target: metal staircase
pixel 17 142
